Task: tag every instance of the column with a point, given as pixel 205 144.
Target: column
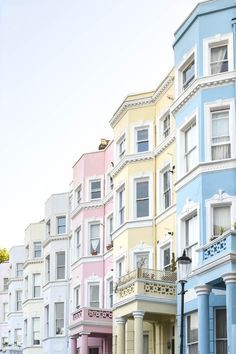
pixel 230 281
pixel 120 323
pixel 138 332
pixel 84 342
pixel 203 292
pixel 73 345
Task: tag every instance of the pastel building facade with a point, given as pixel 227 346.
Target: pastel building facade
pixel 144 223
pixel 204 110
pixel 15 296
pixel 4 278
pixel 56 275
pixel 32 289
pixel 91 285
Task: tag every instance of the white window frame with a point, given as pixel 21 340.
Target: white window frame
pixel 60 226
pixel 96 190
pixel 109 229
pixel 48 268
pixel 4 311
pixel 57 253
pixel 215 324
pixel 36 287
pixel 162 129
pixel 121 142
pixel 167 168
pixel 121 210
pixel 190 343
pixel 217 41
pixel 36 250
pixel 46 321
pixel 108 293
pixel 136 181
pixel 35 331
pixel 187 58
pixel 219 104
pixel 78 192
pixel 90 224
pixel 181 167
pixel 140 253
pixel 77 297
pixel 19 270
pixel 137 129
pixel 58 319
pixel 218 200
pixel 120 260
pixel 19 300
pixel 90 284
pixel 142 248
pixel 78 246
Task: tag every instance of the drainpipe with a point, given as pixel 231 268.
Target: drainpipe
pixel 233 21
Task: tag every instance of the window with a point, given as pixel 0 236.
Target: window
pixel 121 205
pixel 5 284
pixel 110 293
pixel 4 341
pixel 36 285
pixel 25 332
pixel 59 318
pixel 166 126
pixel 94 238
pixel 27 252
pixel 166 257
pixel 47 260
pixel 188 73
pixel 221 219
pixel 120 267
pixel 166 188
pixel 219 62
pixel 142 260
pixel 192 333
pixel 190 140
pixel 48 227
pixel 95 189
pixel 61 225
pixel 19 300
pixel 18 336
pixel 142 199
pixel 46 320
pixel 94 295
pixel 4 311
pixel 26 286
pixel 60 257
pixel 36 330
pixel 121 147
pixel 142 140
pixel 191 239
pixel 145 344
pixel 78 243
pixel 19 270
pixel 37 249
pixel 110 228
pixel 220 136
pixel 77 297
pixel 78 195
pixel 221 331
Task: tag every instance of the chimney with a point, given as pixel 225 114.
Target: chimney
pixel 103 144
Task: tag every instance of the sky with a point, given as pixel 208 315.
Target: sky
pixel 65 67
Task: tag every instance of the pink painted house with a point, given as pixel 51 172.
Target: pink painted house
pixel 91 253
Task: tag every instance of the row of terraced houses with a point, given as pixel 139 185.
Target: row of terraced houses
pixel 98 274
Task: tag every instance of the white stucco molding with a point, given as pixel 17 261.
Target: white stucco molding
pixel 203 289
pixel 229 277
pixel 120 320
pixel 138 314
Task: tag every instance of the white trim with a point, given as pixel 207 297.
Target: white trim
pixel 165 167
pixel 215 41
pixel 141 125
pixel 180 143
pixel 164 243
pixel 141 177
pixel 208 126
pixel 92 280
pixel 122 137
pixel 89 182
pixel 139 249
pixel 186 60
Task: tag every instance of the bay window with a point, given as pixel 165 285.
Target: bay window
pixel 142 199
pixel 142 140
pixel 61 225
pixel 36 330
pixel 94 295
pixel 221 219
pixel 219 61
pixel 220 136
pixel 61 265
pixel 94 237
pixel 36 285
pixel 59 318
pixel 95 189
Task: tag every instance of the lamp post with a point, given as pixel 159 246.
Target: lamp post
pixel 183 271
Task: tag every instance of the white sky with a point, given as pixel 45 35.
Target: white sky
pixel 65 67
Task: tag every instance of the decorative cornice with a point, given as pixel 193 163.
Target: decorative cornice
pixel 56 238
pixel 92 204
pixel 202 83
pixel 203 289
pixel 33 261
pixel 131 158
pixel 141 102
pixel 203 167
pixel 168 141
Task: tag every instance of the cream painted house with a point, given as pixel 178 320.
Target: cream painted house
pixel 144 223
pixel 32 292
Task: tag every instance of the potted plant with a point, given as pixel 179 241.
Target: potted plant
pixel 109 246
pixel 234 225
pixel 94 253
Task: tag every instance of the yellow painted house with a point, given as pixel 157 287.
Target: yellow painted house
pixel 144 311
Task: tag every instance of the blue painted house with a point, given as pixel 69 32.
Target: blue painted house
pixel 204 110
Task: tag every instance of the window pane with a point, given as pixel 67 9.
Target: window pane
pixel 142 260
pixel 95 189
pixel 192 328
pixel 166 257
pixel 142 140
pixel 59 310
pixel 221 220
pixel 61 225
pixel 219 59
pixel 188 74
pixel 142 199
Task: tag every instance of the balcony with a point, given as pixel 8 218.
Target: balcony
pixel 88 314
pixel 218 248
pixel 148 282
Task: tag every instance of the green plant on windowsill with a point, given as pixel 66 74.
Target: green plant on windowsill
pixel 234 225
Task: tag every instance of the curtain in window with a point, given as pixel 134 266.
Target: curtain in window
pixel 220 135
pixel 219 59
pixel 221 220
